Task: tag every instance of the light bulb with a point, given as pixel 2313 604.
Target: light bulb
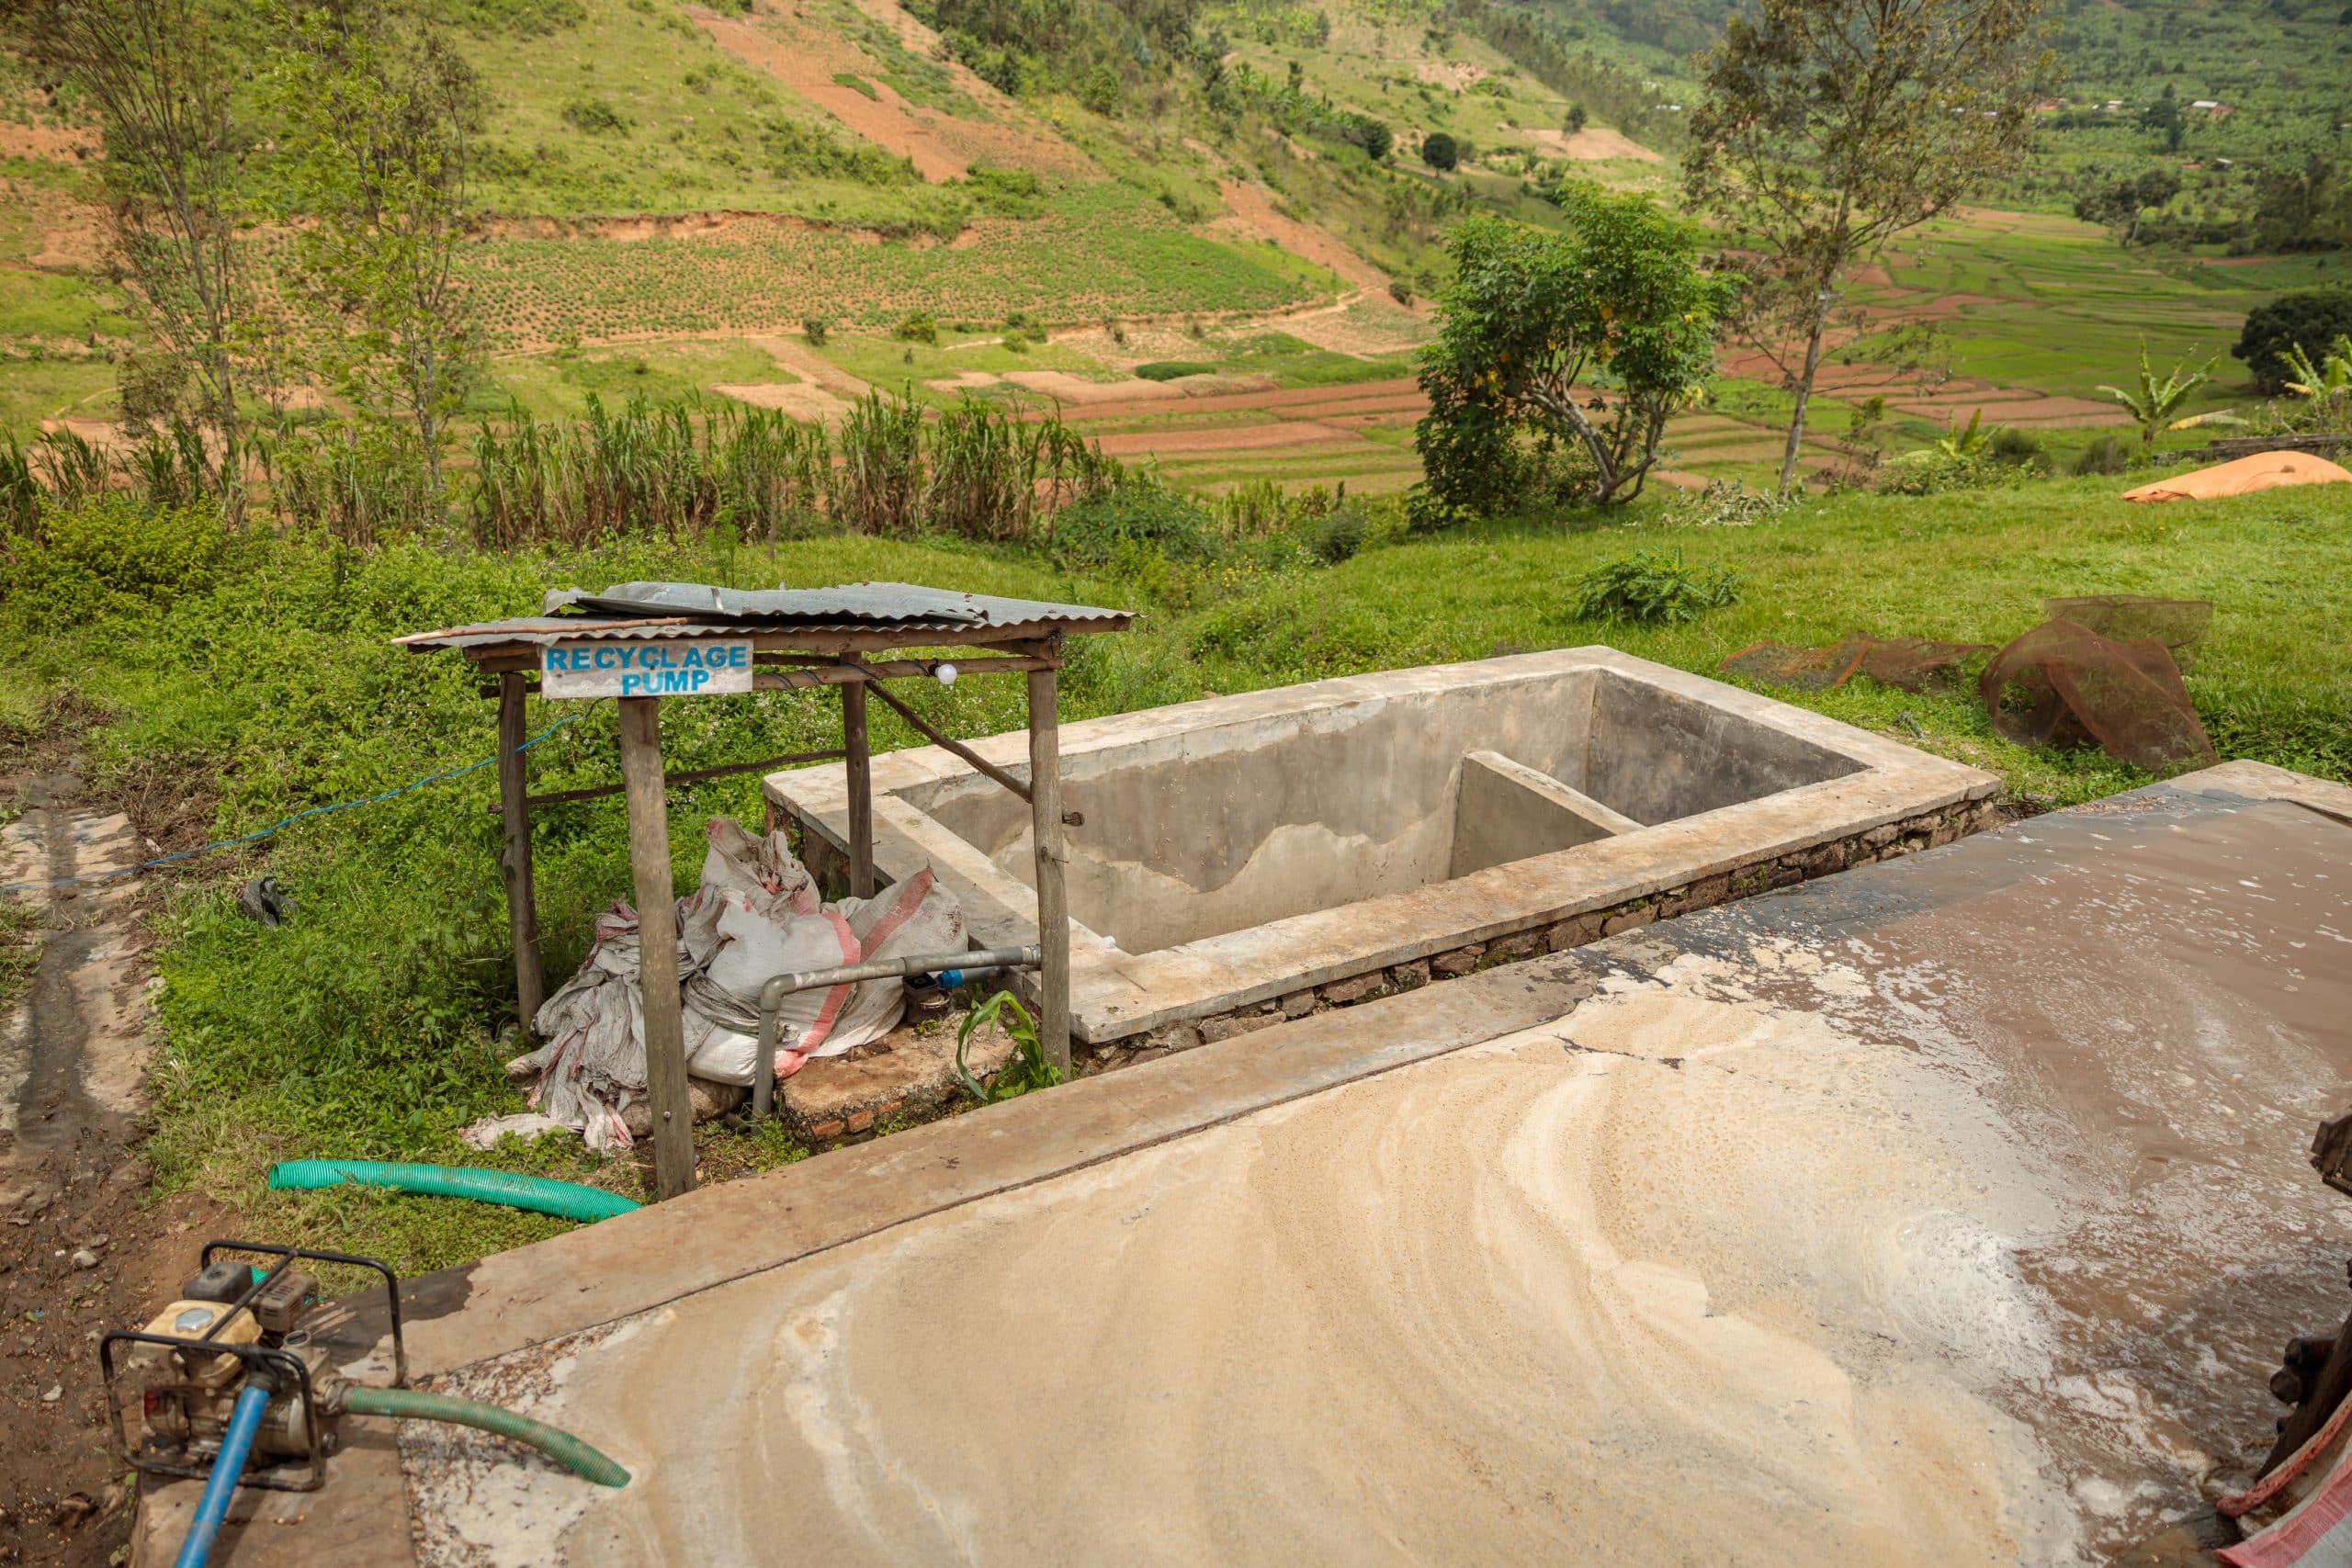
pixel 946 673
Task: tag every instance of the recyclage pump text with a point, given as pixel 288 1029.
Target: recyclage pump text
pixel 644 669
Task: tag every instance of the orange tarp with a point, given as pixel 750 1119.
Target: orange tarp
pixel 2244 476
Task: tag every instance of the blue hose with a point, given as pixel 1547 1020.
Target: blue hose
pixel 213 1508
pixel 571 1200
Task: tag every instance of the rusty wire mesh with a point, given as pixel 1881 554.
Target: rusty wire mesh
pixel 2063 685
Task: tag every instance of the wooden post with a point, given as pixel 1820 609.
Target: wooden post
pixel 1053 899
pixel 861 791
pixel 657 927
pixel 514 806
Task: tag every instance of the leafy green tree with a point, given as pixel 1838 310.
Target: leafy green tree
pixel 1827 127
pixel 162 88
pixel 1587 340
pixel 1372 135
pixel 1439 150
pixel 380 114
pixel 1576 118
pixel 2308 320
pixel 2302 208
pixel 2163 117
pixel 2118 204
pixel 2155 405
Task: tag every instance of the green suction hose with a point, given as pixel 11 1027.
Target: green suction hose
pixel 411 1405
pixel 568 1199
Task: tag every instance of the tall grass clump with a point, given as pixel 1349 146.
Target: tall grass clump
pixel 994 476
pixel 879 481
pixel 674 470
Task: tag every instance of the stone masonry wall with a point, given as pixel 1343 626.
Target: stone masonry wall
pixel 1909 836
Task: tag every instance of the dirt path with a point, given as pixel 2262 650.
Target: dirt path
pixel 943 147
pixel 82 1249
pixel 1251 209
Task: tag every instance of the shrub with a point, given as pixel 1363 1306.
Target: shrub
pixel 1426 512
pixel 1174 370
pixel 816 329
pixel 112 555
pixel 596 117
pixel 1439 150
pixel 2108 455
pixel 1400 291
pixel 1095 532
pixel 1654 588
pixel 2309 320
pixel 917 326
pixel 1726 503
pixel 2015 448
pixel 1338 534
pixel 1934 472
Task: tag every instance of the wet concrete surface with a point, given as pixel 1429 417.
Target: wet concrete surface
pixel 1952 1209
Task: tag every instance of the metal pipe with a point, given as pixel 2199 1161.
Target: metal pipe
pixel 772 996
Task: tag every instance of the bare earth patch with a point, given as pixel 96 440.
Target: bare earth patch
pixel 1250 211
pixel 1459 76
pixel 942 147
pixel 811 366
pixel 1371 326
pixel 1594 144
pixel 798 399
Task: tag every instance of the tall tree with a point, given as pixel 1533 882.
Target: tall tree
pixel 1588 340
pixel 380 117
pixel 161 86
pixel 1830 126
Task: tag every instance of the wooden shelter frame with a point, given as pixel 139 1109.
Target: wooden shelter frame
pixel 783 658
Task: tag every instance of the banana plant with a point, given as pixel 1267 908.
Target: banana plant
pixel 2156 402
pixel 2330 377
pixel 1967 441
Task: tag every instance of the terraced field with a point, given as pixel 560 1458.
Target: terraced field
pixel 1100 252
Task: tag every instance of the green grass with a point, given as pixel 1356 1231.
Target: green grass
pixel 369 1026
pixel 559 384
pixel 894 363
pixel 34 390
pixel 692 139
pixel 21 944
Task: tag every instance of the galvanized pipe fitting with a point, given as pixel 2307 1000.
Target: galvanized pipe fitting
pixel 772 996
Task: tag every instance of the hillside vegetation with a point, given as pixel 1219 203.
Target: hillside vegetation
pixel 1128 304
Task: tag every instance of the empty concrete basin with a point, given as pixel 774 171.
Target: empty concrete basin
pixel 1244 847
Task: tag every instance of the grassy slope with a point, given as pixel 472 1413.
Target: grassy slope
pixel 365 1027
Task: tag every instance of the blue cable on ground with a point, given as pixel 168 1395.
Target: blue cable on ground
pixel 213 1508
pixel 290 821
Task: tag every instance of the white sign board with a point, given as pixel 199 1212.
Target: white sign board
pixel 625 669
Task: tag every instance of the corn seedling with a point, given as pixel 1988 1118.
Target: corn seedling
pixel 1025 1069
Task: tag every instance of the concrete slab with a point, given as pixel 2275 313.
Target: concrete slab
pixel 1949 1210
pixel 1952 1208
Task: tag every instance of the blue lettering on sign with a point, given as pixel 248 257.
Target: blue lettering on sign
pixel 649 670
pixel 665 684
